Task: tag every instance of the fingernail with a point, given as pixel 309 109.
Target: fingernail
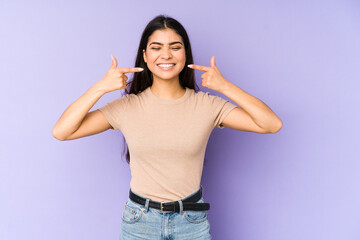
pixel 141 69
pixel 190 65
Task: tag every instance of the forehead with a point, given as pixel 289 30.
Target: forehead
pixel 164 36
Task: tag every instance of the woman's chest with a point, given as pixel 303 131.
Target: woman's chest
pixel 167 129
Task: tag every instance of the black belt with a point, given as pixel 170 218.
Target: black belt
pixel 189 203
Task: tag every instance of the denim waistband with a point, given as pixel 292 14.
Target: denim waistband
pixel 192 194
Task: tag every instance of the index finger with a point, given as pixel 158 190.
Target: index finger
pixel 199 67
pixel 130 70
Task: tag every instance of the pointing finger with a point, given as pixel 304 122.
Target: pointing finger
pixel 212 62
pixel 114 62
pixel 130 70
pixel 199 67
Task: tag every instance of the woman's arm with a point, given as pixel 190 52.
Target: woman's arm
pixel 74 115
pixel 253 115
pixel 77 121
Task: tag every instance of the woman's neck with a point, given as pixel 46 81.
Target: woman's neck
pixel 167 90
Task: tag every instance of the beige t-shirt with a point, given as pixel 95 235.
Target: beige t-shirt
pixel 166 139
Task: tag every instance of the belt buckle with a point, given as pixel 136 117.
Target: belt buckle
pixel 161 208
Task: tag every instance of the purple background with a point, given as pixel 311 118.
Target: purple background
pixel 300 57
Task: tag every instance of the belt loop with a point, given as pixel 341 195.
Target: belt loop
pixel 147 204
pixel 181 206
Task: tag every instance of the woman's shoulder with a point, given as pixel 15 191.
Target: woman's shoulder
pixel 204 95
pixel 132 96
pixel 198 93
pixel 125 98
pixel 207 98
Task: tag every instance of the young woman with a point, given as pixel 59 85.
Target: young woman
pixel 166 122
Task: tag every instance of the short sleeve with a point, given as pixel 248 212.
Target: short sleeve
pixel 114 111
pixel 220 108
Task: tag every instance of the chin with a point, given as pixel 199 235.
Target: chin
pixel 166 76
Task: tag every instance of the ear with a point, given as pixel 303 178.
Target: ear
pixel 144 55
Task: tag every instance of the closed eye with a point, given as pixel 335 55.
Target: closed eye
pixel 172 48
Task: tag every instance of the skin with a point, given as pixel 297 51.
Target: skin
pixel 251 115
pixel 166 84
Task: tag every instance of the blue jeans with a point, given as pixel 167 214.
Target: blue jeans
pixel 142 222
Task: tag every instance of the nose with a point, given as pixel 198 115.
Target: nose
pixel 166 53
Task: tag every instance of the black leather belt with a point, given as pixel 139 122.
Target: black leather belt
pixel 189 203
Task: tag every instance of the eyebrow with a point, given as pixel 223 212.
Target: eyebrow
pixel 163 44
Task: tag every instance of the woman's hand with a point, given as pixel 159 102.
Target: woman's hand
pixel 115 78
pixel 212 78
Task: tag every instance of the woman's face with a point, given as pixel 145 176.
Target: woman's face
pixel 165 47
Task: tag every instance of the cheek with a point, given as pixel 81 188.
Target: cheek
pixel 150 62
pixel 150 58
pixel 181 57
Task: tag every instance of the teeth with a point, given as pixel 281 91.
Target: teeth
pixel 166 65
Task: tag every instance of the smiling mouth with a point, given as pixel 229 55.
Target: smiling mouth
pixel 166 67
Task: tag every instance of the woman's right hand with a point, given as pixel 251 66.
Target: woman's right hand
pixel 115 78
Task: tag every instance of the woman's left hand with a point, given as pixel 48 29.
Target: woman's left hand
pixel 212 77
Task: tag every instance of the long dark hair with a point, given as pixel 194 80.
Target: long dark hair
pixel 144 79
